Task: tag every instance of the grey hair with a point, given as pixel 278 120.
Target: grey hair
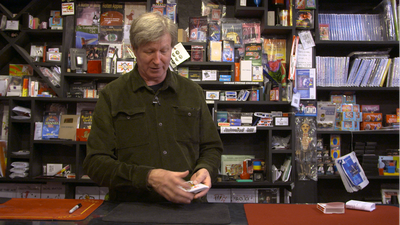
pixel 151 26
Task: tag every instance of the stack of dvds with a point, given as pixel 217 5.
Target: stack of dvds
pixel 369 164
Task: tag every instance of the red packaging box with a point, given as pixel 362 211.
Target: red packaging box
pixel 372 117
pixel 369 108
pixel 391 118
pixel 82 134
pixel 371 125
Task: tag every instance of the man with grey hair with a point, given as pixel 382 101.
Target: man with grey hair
pixel 152 130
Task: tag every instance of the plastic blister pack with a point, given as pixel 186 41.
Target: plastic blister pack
pixel 52 74
pixel 306 148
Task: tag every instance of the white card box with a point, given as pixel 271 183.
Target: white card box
pixel 246 70
pixel 209 75
pixel 219 195
pixel 12 25
pixel 125 66
pixel 243 195
pixel 178 55
pixel 87 192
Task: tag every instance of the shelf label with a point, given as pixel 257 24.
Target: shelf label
pixel 220 195
pixel 238 130
pixel 243 196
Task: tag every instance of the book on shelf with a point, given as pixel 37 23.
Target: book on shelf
pixel 87 14
pixel 86 119
pixel 133 10
pixel 112 14
pixel 305 83
pixel 86 35
pixel 68 126
pixel 51 125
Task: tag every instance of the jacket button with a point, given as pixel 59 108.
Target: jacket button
pixel 160 124
pixel 164 152
pixel 189 114
pixel 128 117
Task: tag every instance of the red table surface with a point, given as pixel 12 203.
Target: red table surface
pixel 47 209
pixel 309 214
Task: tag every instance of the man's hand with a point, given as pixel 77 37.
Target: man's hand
pixel 166 184
pixel 201 176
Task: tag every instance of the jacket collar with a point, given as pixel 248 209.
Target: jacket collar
pixel 138 82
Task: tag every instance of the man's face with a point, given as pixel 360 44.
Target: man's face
pixel 153 59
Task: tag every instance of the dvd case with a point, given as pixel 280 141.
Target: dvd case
pixel 232 32
pixel 351 172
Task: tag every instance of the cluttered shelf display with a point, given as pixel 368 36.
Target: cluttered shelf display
pixel 353 117
pixel 222 49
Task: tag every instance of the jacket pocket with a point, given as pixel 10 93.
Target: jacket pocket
pixel 130 127
pixel 187 124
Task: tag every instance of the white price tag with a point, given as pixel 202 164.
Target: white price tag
pixel 296 100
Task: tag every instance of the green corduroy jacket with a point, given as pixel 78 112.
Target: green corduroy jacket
pixel 135 130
